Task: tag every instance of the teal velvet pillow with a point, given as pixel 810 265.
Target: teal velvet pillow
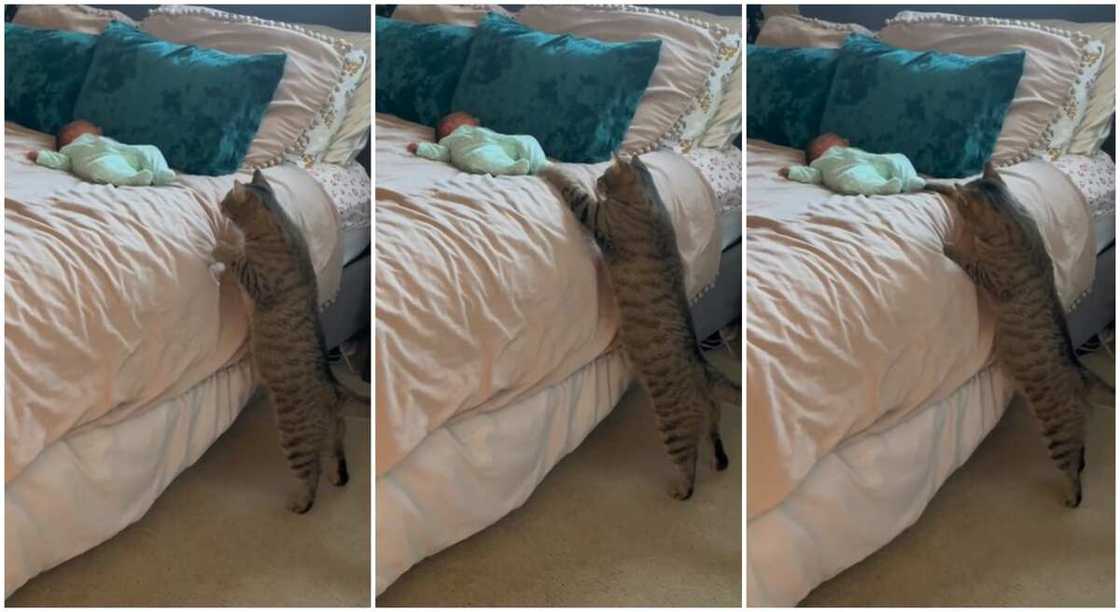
pixel 43 73
pixel 418 68
pixel 575 95
pixel 201 107
pixel 787 92
pixel 942 110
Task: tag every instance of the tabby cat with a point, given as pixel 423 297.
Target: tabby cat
pixel 632 228
pixel 1007 258
pixel 269 257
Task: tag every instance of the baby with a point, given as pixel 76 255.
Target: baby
pixel 477 150
pixel 83 151
pixel 852 171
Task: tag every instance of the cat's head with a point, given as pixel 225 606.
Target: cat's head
pixel 248 205
pixel 988 208
pixel 626 180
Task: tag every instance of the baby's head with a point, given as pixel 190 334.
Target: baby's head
pixel 70 132
pixel 452 122
pixel 822 143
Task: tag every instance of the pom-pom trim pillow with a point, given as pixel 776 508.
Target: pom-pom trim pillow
pixel 1058 75
pixel 799 31
pixel 675 105
pixel 69 17
pixel 320 71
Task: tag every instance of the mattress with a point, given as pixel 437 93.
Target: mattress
pixel 882 479
pixel 89 486
pixel 475 469
pixel 858 319
pixel 488 289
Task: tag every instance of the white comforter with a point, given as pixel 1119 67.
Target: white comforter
pixel 857 318
pixel 110 305
pixel 488 288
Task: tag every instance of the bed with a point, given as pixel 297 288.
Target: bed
pixel 495 335
pixel 126 354
pixel 869 353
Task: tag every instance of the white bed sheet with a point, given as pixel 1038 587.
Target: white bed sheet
pixel 882 479
pixel 87 487
pixel 475 469
pixel 350 190
pixel 1095 177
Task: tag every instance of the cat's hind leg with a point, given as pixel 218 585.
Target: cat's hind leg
pixel 721 460
pixel 679 424
pixel 1064 432
pixel 340 475
pixel 301 442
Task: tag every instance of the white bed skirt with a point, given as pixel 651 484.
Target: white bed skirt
pixel 88 486
pixel 474 470
pixel 860 496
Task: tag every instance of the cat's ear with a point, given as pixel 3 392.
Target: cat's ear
pixel 258 179
pixel 238 190
pixel 991 174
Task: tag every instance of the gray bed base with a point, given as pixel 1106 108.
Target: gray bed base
pixel 723 303
pixel 349 314
pixel 1098 308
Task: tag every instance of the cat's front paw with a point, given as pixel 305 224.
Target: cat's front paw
pixel 225 252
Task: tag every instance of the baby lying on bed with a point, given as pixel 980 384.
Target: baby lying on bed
pixel 477 150
pixel 83 151
pixel 852 171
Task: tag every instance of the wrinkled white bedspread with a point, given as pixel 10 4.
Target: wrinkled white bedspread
pixel 110 305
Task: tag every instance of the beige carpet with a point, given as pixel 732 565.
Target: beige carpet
pixel 997 533
pixel 601 529
pixel 220 536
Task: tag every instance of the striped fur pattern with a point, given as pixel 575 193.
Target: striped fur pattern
pixel 269 257
pixel 632 228
pixel 1007 258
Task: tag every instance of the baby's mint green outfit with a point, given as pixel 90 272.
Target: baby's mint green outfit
pixel 851 171
pixel 104 160
pixel 481 151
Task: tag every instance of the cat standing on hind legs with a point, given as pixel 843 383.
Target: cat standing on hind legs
pixel 1007 258
pixel 634 232
pixel 268 255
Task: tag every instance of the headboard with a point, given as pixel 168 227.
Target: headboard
pixel 874 17
pixel 348 17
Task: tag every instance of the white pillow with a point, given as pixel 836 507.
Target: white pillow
pixel 788 31
pixel 689 54
pixel 724 119
pixel 452 14
pixel 351 134
pixel 319 75
pixel 69 17
pixel 1052 96
pixel 1095 128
